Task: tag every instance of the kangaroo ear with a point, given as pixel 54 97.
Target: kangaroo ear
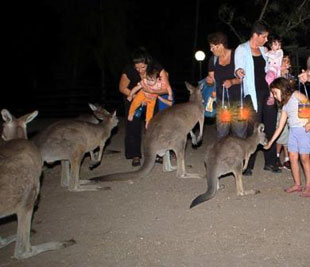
pixel 29 117
pixel 114 113
pixel 92 107
pixel 6 115
pixel 261 127
pixel 189 87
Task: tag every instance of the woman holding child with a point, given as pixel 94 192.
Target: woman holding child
pixel 131 76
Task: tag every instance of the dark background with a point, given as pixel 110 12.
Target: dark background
pixel 64 54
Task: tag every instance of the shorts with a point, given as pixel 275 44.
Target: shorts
pixel 299 140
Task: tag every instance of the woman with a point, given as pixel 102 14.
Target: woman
pixel 221 71
pixel 131 76
pixel 250 63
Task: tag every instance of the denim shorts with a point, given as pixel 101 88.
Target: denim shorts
pixel 299 140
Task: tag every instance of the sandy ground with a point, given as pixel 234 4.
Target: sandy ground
pixel 148 222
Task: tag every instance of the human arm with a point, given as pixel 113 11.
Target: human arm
pixel 134 91
pixel 123 85
pixel 230 82
pixel 165 101
pixel 240 58
pixel 278 131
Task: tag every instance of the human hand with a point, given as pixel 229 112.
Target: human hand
pixel 129 98
pixel 304 76
pixel 227 84
pixel 266 147
pixel 240 73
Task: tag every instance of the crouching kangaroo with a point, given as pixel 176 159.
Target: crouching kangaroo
pixel 230 155
pixel 68 141
pixel 166 131
pixel 20 171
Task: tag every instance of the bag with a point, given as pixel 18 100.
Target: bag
pixel 304 107
pixel 225 112
pixel 208 95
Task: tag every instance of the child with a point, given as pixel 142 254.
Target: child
pixel 154 82
pixel 283 138
pixel 274 59
pixel 299 132
pixel 274 55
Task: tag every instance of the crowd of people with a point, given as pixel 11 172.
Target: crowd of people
pixel 255 77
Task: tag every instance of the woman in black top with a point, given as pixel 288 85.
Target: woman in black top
pixel 221 72
pixel 132 74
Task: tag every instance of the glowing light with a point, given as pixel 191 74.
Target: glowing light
pixel 200 55
pixel 244 114
pixel 225 115
pixel 304 110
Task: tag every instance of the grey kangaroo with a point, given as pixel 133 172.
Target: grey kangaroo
pixel 230 155
pixel 68 141
pixel 168 130
pixel 20 171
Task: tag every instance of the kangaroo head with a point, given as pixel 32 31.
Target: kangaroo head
pixel 99 112
pixel 15 128
pixel 195 92
pixel 259 131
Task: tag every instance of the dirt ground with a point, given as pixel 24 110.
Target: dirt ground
pixel 148 222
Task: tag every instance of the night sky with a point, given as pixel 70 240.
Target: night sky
pixel 53 46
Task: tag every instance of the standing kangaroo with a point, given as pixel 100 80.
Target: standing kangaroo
pixel 20 171
pixel 230 155
pixel 68 141
pixel 168 130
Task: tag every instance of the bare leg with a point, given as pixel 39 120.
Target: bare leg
pixel 305 160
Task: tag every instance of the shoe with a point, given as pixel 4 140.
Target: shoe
pixel 159 160
pixel 136 162
pixel 292 189
pixel 278 163
pixel 273 169
pixel 248 172
pixel 287 165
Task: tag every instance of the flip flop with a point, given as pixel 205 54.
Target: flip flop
pixel 294 188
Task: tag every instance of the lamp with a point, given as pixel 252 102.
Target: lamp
pixel 200 56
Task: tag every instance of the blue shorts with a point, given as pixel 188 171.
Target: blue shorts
pixel 299 140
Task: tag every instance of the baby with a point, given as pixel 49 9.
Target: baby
pixel 154 82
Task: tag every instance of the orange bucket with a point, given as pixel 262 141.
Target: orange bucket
pixel 225 115
pixel 304 110
pixel 244 114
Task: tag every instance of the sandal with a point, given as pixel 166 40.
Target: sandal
pixel 306 192
pixel 292 189
pixel 136 162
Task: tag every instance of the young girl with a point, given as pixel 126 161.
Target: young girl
pixel 142 97
pixel 299 132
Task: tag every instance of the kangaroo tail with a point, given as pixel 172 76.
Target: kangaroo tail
pixel 210 193
pixel 145 169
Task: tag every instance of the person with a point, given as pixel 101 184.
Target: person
pixel 250 63
pixel 281 143
pixel 274 55
pixel 304 76
pixel 221 72
pixel 299 132
pixel 132 74
pixel 139 97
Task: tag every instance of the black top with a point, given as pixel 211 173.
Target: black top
pixel 133 75
pixel 261 86
pixel 222 73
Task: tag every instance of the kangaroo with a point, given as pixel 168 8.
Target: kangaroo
pixel 20 171
pixel 230 155
pixel 68 141
pixel 166 131
pixel 99 115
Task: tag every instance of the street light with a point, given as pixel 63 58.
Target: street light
pixel 200 56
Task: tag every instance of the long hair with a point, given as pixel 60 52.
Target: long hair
pixel 286 86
